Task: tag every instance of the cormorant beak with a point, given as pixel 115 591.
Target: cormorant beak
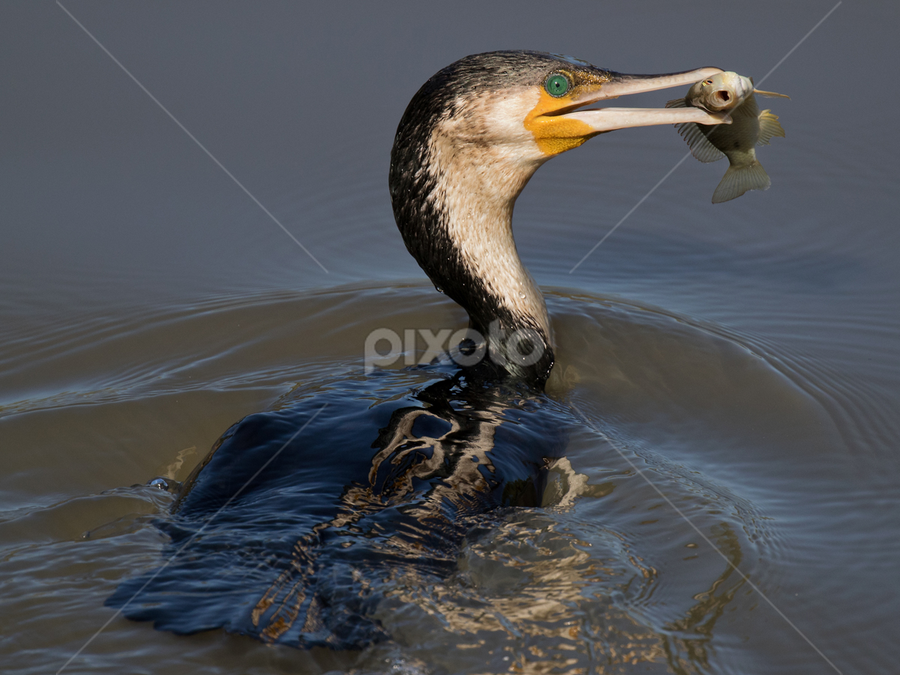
pixel 609 119
pixel 558 124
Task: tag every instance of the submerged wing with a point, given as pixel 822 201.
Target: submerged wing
pixel 295 526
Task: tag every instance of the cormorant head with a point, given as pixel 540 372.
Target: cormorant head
pixel 470 140
pixel 529 105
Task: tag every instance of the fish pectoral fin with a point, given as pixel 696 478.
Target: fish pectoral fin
pixel 769 127
pixel 770 94
pixel 739 179
pixel 691 132
pixel 699 144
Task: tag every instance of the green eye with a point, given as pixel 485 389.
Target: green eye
pixel 557 85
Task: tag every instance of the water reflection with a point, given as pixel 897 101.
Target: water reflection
pixel 450 450
pixel 604 575
pixel 428 536
pixel 688 638
pixel 535 595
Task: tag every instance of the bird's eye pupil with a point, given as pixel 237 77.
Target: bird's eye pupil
pixel 557 85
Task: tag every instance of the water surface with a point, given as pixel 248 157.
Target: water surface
pixel 731 373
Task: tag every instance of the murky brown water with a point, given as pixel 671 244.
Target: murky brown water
pixel 733 370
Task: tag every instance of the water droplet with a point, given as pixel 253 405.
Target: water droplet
pixel 439 289
pixel 160 483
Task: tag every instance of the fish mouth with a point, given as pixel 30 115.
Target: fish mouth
pixel 719 100
pixel 723 96
pixel 731 90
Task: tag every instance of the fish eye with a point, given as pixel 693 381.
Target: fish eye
pixel 557 85
pixel 707 82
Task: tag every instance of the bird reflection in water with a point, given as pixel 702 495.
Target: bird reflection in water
pixel 444 454
pixel 432 470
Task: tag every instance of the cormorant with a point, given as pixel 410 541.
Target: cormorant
pixel 291 527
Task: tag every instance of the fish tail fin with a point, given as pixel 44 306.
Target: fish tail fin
pixel 738 179
pixel 768 127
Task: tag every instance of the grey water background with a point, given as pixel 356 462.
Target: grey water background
pixel 744 354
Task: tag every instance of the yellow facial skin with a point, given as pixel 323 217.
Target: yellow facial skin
pixel 554 133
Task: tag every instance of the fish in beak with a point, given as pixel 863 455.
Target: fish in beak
pixel 559 121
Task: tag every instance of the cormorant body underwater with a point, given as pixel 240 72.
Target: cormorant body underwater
pixel 299 520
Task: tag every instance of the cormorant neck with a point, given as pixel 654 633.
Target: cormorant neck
pixel 474 199
pixel 453 196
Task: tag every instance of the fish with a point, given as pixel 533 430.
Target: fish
pixel 730 93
